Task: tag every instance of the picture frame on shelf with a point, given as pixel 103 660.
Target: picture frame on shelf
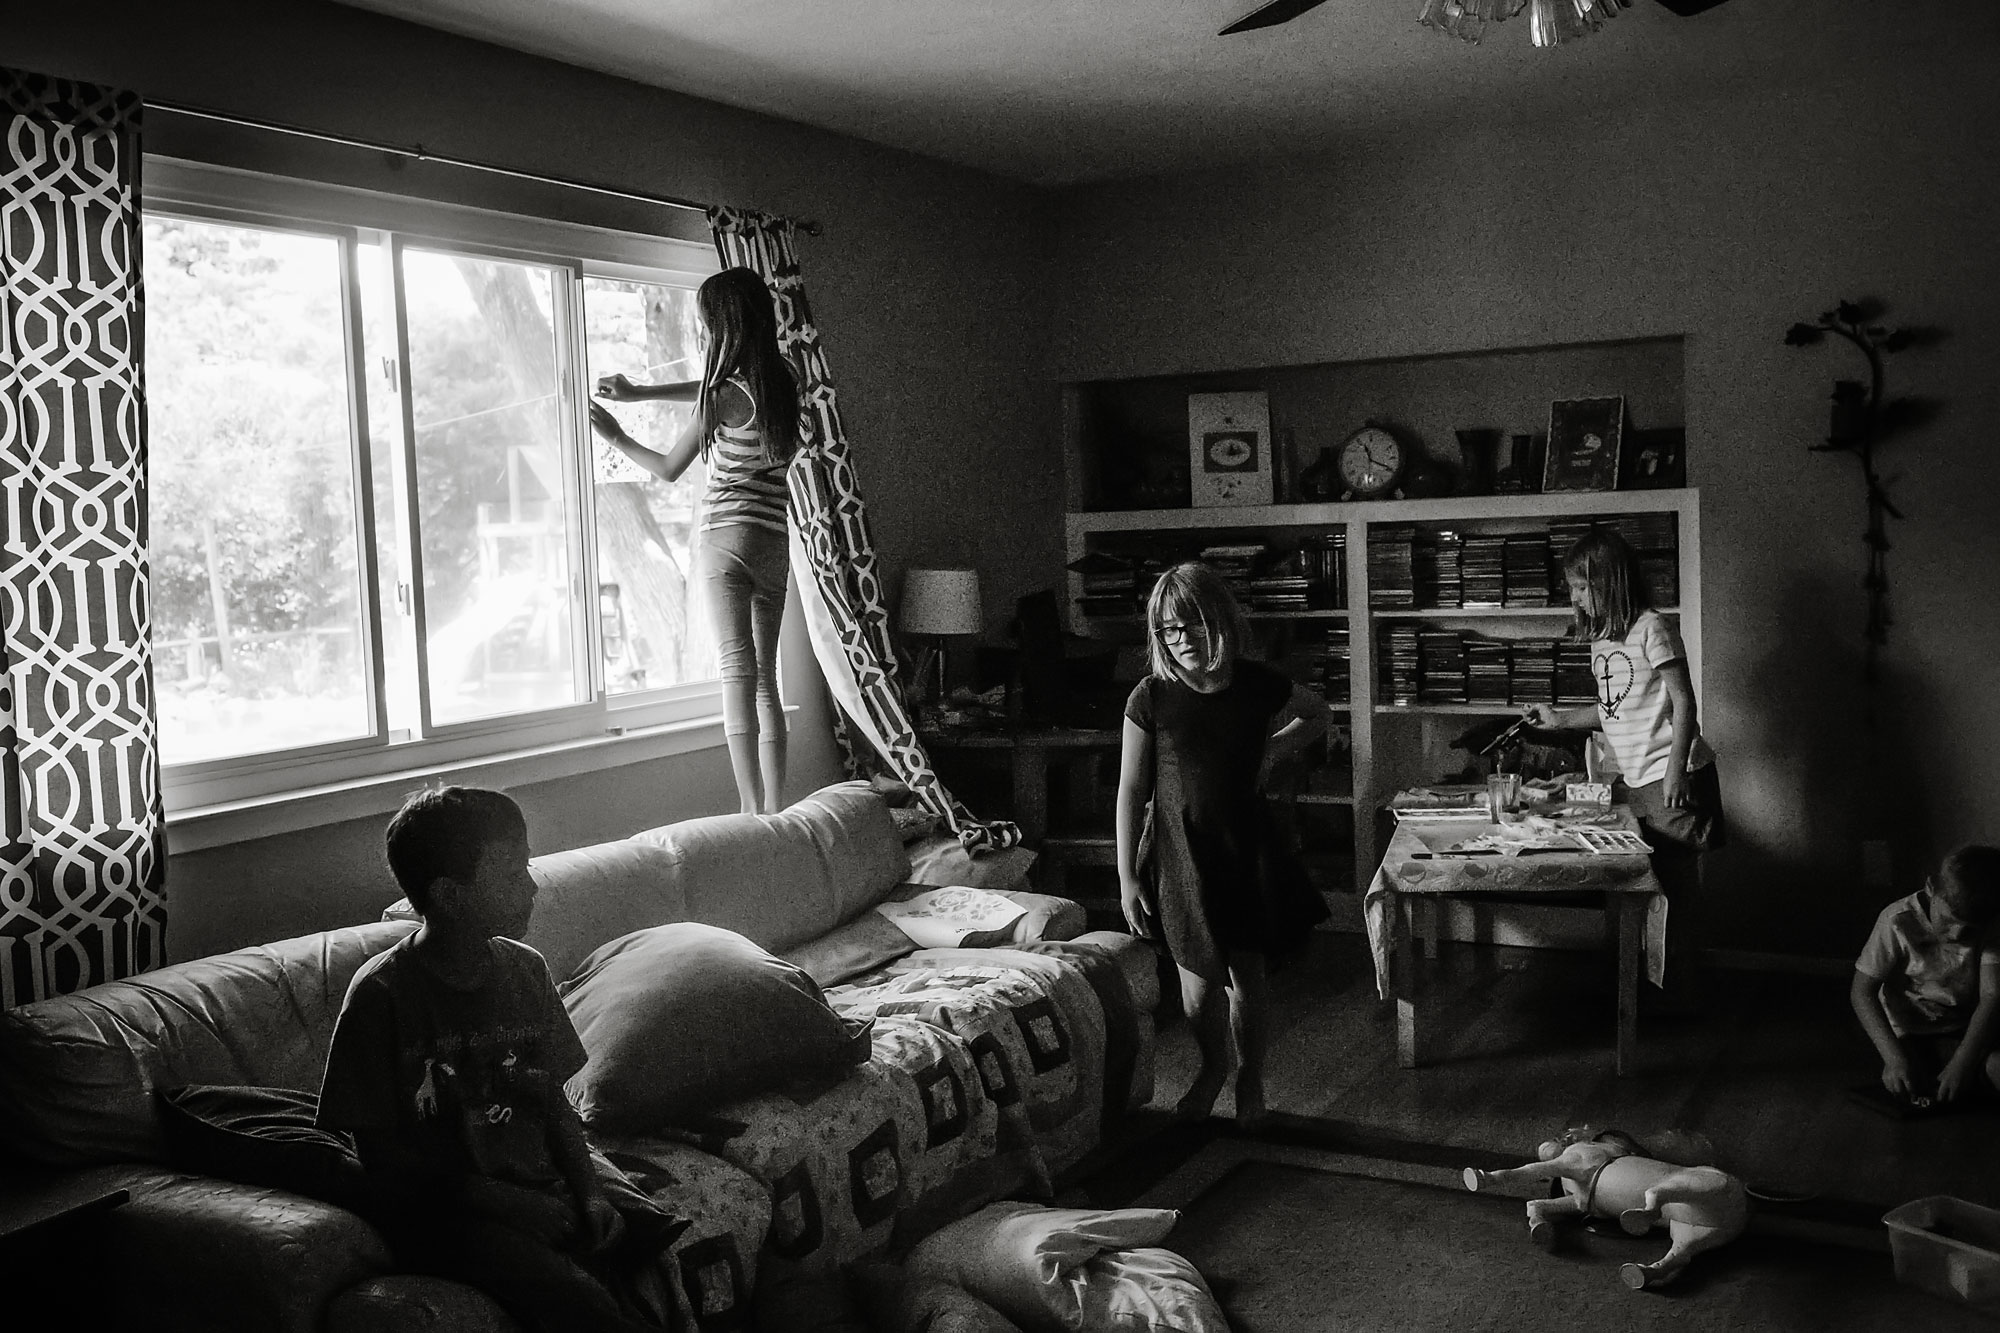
pixel 1229 448
pixel 1585 435
pixel 1653 460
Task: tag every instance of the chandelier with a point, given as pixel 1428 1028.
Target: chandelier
pixel 1550 22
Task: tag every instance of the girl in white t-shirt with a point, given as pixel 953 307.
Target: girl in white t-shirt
pixel 1646 709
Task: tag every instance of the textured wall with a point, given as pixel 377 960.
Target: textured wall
pixel 1722 222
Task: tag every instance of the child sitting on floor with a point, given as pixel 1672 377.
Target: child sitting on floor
pixel 1927 986
pixel 448 1062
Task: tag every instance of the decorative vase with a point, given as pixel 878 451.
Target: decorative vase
pixel 1476 450
pixel 1321 481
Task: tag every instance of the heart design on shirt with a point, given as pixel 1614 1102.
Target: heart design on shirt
pixel 1615 677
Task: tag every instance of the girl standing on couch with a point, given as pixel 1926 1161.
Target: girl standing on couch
pixel 745 428
pixel 1202 867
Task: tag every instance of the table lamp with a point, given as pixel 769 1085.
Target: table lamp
pixel 938 603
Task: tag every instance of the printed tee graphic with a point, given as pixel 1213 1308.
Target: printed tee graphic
pixel 1615 676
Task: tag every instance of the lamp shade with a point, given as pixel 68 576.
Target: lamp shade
pixel 941 601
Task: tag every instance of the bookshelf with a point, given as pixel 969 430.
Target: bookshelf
pixel 1400 712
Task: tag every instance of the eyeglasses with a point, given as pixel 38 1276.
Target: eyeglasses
pixel 1175 633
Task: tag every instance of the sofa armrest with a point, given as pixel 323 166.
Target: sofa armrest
pixel 198 1253
pixel 1138 960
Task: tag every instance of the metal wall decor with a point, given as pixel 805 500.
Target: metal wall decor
pixel 1860 420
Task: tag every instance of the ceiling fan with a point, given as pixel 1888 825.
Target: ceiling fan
pixel 1273 12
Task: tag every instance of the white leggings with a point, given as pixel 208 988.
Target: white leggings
pixel 744 572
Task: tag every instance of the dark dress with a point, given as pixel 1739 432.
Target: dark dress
pixel 1221 874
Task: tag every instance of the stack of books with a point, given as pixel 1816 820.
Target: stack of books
pixel 1236 562
pixel 1439 569
pixel 1278 583
pixel 1486 671
pixel 1325 562
pixel 1440 667
pixel 1391 568
pixel 1527 570
pixel 1328 668
pixel 1573 682
pixel 1531 671
pixel 1483 575
pixel 1400 674
pixel 1111 585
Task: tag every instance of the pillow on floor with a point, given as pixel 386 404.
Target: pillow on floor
pixel 1029 1262
pixel 1147 1290
pixel 259 1136
pixel 682 1018
pixel 896 1302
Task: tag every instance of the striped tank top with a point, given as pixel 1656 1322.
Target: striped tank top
pixel 743 486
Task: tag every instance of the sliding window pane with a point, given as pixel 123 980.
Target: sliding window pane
pixel 654 634
pixel 257 622
pixel 491 518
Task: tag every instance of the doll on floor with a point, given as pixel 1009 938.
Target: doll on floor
pixel 1610 1175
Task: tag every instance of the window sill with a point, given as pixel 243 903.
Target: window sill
pixel 198 828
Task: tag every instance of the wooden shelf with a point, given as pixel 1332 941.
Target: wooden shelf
pixel 1452 509
pixel 1487 612
pixel 1461 710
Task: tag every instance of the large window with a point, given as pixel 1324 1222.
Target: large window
pixel 381 532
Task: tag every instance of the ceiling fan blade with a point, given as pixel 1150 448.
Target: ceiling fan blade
pixel 1271 14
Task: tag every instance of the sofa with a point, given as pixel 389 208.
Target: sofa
pixel 990 1072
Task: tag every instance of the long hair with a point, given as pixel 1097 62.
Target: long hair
pixel 742 323
pixel 1610 569
pixel 1193 593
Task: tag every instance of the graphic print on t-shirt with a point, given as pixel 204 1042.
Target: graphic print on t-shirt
pixel 1615 675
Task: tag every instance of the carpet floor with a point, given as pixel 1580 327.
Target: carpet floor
pixel 1295 1240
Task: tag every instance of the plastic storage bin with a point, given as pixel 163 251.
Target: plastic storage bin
pixel 1948 1247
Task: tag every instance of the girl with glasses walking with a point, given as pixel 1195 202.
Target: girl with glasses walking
pixel 1202 867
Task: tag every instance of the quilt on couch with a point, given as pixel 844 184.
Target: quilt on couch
pixel 988 1076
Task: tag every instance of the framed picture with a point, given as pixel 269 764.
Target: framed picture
pixel 1229 448
pixel 1584 439
pixel 1653 459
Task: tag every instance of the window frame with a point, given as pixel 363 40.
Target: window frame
pixel 665 719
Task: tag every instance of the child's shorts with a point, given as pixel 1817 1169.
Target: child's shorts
pixel 1695 827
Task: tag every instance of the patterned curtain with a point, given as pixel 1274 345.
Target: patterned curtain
pixel 82 846
pixel 833 552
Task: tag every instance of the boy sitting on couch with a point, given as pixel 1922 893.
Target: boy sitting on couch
pixel 448 1063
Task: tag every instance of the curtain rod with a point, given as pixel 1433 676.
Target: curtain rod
pixel 418 153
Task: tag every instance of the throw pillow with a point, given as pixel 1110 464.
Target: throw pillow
pixel 899 1303
pixel 682 1018
pixel 862 945
pixel 260 1136
pixel 939 859
pixel 1026 1260
pixel 1147 1290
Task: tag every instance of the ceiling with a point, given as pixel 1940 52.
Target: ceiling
pixel 1058 91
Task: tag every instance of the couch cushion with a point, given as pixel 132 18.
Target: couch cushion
pixel 683 1017
pixel 261 1136
pixel 783 879
pixel 595 894
pixel 78 1072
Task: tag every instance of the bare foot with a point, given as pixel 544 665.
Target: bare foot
pixel 1251 1111
pixel 1198 1102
